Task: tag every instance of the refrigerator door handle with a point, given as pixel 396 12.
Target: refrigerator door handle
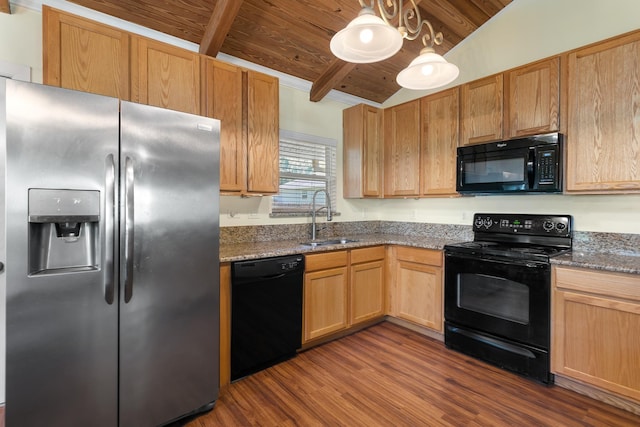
pixel 109 229
pixel 128 229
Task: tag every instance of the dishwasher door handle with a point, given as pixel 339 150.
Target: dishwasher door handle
pixel 245 280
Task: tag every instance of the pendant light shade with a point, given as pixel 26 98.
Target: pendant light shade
pixel 366 39
pixel 428 71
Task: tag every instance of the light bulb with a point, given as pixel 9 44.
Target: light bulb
pixel 366 36
pixel 427 70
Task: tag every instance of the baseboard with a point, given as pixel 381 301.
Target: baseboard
pixel 416 328
pixel 598 394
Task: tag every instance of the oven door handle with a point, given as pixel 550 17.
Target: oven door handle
pixel 499 260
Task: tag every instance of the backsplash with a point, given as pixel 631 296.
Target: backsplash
pixel 267 233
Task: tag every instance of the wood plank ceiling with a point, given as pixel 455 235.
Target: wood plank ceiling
pixel 292 36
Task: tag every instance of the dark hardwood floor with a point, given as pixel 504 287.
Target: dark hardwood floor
pixel 387 375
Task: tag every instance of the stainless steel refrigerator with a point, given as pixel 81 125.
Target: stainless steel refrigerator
pixel 110 232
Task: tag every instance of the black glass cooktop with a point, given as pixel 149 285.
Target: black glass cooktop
pixel 518 236
pixel 508 250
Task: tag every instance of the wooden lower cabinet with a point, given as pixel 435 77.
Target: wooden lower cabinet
pixel 366 284
pixel 342 289
pixel 325 305
pixel 596 329
pixel 225 324
pixel 416 286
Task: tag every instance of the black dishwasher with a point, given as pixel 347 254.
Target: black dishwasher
pixel 266 312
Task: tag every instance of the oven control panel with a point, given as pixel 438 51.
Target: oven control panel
pixel 541 225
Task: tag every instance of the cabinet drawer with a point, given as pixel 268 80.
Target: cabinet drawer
pixel 367 254
pixel 325 260
pixel 422 256
pixel 612 285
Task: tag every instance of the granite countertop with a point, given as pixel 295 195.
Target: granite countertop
pixel 255 250
pixel 615 252
pixel 605 261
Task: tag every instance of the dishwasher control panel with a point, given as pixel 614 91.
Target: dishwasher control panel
pixel 292 264
pixel 267 267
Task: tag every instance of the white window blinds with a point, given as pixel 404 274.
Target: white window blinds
pixel 307 164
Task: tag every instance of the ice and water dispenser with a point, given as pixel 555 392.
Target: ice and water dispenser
pixel 63 230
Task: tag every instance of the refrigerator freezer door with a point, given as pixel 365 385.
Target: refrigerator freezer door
pixel 169 274
pixel 61 331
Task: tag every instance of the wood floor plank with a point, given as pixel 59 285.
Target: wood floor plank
pixel 387 375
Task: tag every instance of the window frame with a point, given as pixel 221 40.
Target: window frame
pixel 277 209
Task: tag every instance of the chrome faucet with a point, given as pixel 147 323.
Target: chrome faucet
pixel 314 211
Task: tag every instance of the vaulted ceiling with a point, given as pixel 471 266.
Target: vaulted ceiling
pixel 292 36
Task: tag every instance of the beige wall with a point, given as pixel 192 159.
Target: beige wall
pixel 21 40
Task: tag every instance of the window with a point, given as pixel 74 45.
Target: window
pixel 307 164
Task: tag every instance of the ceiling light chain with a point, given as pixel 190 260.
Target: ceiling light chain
pixel 371 39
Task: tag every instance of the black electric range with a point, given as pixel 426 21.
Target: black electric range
pixel 498 290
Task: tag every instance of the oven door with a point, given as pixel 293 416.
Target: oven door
pixel 503 297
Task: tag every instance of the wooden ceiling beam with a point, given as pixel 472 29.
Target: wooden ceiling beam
pixel 4 6
pixel 222 17
pixel 334 74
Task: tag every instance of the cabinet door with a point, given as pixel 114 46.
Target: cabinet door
pixel 83 55
pixel 223 100
pixel 367 288
pixel 481 110
pixel 419 294
pixel 596 329
pixel 362 149
pixel 325 302
pixel 263 133
pixel 603 152
pixel 416 286
pixel 402 149
pixel 165 76
pixel 532 103
pixel 439 143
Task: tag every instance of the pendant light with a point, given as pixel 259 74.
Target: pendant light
pixel 428 71
pixel 369 38
pixel 366 39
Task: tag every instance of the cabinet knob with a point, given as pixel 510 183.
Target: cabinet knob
pixel 1 267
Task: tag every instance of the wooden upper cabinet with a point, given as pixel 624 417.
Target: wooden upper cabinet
pixel 402 149
pixel 440 124
pixel 362 151
pixel 532 102
pixel 603 131
pixel 164 75
pixel 481 110
pixel 222 86
pixel 263 133
pixel 83 55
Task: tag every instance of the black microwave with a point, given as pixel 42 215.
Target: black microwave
pixel 524 165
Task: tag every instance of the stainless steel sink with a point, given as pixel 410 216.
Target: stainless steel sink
pixel 314 243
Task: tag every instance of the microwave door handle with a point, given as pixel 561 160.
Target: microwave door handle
pixel 531 168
